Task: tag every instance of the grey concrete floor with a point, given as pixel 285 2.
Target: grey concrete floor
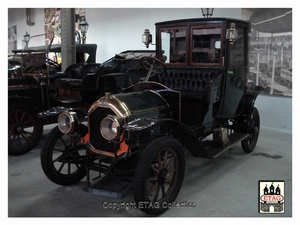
pixel 223 187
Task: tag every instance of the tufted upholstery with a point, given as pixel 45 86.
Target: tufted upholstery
pixel 90 77
pixel 192 82
pixel 80 77
pixel 72 71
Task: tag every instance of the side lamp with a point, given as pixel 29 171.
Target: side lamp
pixel 231 33
pixel 84 26
pixel 147 38
pixel 26 39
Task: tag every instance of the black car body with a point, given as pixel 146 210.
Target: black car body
pixel 36 84
pixel 197 100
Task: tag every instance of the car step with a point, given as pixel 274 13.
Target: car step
pixel 214 150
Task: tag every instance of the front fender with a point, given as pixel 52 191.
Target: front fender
pixel 141 124
pixel 55 111
pixel 170 127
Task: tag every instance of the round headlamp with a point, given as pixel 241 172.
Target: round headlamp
pixel 67 122
pixel 110 128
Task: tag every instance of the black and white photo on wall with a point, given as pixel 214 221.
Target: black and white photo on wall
pixel 12 38
pixel 270 64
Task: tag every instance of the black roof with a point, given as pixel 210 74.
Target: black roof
pixel 90 49
pixel 57 48
pixel 195 20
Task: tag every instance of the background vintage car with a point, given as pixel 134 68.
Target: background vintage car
pixel 36 84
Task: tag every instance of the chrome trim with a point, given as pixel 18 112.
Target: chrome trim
pixel 118 107
pixel 91 147
pixel 111 102
pixel 112 119
pixel 72 116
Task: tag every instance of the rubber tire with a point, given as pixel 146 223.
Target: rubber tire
pixel 249 143
pixel 37 124
pixel 142 170
pixel 47 164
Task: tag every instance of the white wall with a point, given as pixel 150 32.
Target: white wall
pixel 275 112
pixel 17 16
pixel 115 30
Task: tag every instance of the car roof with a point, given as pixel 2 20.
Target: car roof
pixel 90 49
pixel 199 20
pixel 86 48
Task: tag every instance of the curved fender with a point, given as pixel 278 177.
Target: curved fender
pixel 54 111
pixel 178 130
pixel 250 98
pixel 242 122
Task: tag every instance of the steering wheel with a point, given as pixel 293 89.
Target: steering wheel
pixel 153 65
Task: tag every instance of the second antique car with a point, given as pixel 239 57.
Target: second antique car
pixel 197 100
pixel 36 83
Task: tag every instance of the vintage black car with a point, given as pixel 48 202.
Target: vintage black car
pixel 36 84
pixel 197 100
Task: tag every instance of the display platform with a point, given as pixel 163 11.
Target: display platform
pixel 111 187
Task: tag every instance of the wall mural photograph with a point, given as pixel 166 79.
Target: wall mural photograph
pixel 271 49
pixel 12 38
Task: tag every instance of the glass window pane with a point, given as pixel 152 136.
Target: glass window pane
pixel 205 45
pixel 236 50
pixel 173 45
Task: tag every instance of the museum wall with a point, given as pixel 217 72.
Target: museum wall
pixel 116 30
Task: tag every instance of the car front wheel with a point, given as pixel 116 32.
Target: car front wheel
pixel 60 157
pixel 159 175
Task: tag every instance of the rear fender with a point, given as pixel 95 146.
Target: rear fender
pixel 250 98
pixel 170 127
pixel 242 123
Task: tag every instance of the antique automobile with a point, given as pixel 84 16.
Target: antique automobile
pixel 197 100
pixel 36 84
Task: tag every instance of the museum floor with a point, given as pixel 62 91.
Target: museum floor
pixel 223 187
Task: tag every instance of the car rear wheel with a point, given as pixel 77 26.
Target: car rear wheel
pixel 60 157
pixel 250 142
pixel 24 129
pixel 159 175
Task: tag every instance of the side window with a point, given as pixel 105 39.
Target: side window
pixel 173 45
pixel 237 50
pixel 205 45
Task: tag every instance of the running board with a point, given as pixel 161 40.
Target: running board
pixel 214 151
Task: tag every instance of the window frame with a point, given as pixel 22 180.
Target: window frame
pixel 186 44
pixel 232 64
pixel 192 28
